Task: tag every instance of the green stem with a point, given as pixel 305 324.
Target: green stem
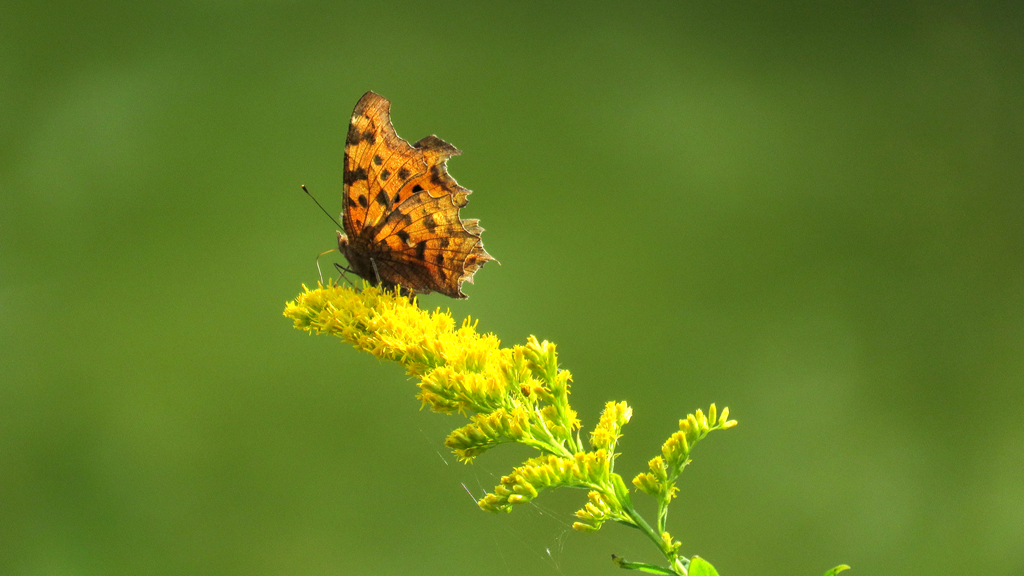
pixel 662 515
pixel 655 537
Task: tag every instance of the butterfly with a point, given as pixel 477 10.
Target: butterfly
pixel 400 209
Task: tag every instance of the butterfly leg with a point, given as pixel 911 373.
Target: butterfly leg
pixel 342 270
pixel 320 272
pixel 376 274
pixel 401 289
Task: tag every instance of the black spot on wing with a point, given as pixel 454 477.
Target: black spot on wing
pixel 362 200
pixel 403 174
pixel 403 236
pixel 417 188
pixel 421 248
pixel 440 270
pixel 382 199
pixel 377 160
pixel 430 223
pixel 384 175
pixel 351 176
pixel 435 177
pixel 353 135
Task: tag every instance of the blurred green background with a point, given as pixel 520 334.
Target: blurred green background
pixel 810 213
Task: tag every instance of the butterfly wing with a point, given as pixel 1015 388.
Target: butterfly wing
pixel 401 208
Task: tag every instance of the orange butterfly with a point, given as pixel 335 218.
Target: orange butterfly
pixel 401 209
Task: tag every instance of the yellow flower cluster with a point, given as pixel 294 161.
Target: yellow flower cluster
pixel 606 433
pixel 389 326
pixel 595 513
pixel 675 452
pixel 485 431
pixel 585 469
pixel 515 394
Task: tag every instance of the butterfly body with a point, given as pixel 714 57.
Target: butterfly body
pixel 401 208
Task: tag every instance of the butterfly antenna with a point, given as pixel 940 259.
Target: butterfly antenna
pixel 304 189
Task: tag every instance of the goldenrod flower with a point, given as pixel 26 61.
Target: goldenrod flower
pixel 516 394
pixel 606 433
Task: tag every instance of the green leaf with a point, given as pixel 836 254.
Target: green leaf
pixel 837 570
pixel 641 567
pixel 700 567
